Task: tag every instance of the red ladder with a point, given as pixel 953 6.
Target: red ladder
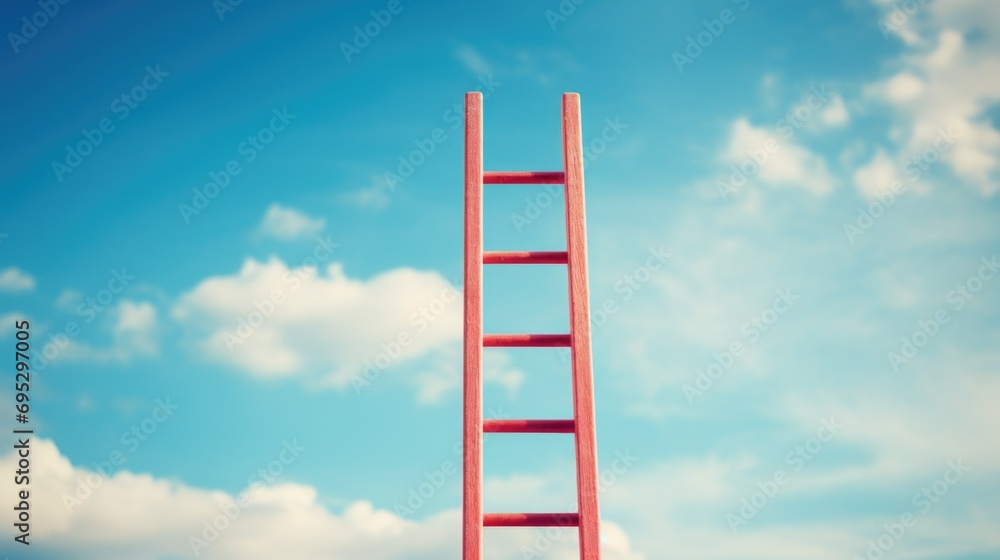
pixel 587 518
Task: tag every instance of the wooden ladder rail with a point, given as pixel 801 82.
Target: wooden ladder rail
pixel 582 426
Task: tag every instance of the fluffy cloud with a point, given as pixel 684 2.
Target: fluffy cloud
pixel 270 320
pixel 835 113
pixel 902 88
pixel 133 329
pixel 943 82
pixel 7 322
pixel 281 222
pixel 787 165
pixel 79 514
pixel 372 197
pixel 13 279
pixel 877 176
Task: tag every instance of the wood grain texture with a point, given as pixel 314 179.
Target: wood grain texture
pixel 523 177
pixel 472 385
pixel 579 308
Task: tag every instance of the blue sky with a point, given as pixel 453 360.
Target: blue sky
pixel 220 219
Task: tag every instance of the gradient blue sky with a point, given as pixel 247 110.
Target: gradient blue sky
pixel 835 98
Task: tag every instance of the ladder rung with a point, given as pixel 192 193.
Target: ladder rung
pixel 530 426
pixel 524 178
pixel 532 340
pixel 525 257
pixel 531 520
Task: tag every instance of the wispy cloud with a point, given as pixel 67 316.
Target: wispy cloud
pixel 372 197
pixel 13 279
pixel 284 223
pixel 134 331
pixel 472 60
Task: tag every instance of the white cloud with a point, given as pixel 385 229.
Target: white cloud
pixel 678 508
pixel 141 517
pixel 877 176
pixel 897 286
pixel 543 64
pixel 444 374
pixel 498 368
pixel 835 113
pixel 13 279
pixel 135 327
pixel 472 60
pixel 911 431
pixel 689 309
pixel 333 330
pixel 372 197
pixel 281 222
pixel 133 334
pixel 327 328
pixel 901 88
pixel 852 153
pixel 895 21
pixel 68 299
pixel 7 321
pixel 85 403
pixel 948 51
pixel 944 81
pixel 899 431
pixel 769 88
pixel 790 165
